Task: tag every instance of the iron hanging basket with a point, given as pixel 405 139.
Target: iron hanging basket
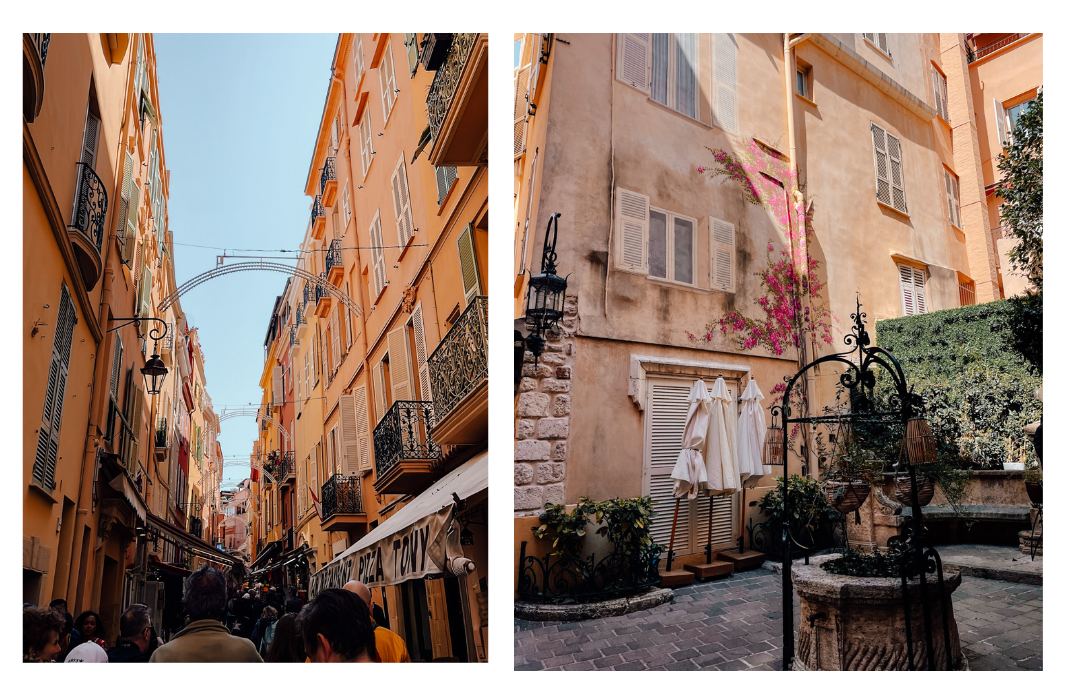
pixel 773 455
pixel 919 446
pixel 846 495
pixel 925 490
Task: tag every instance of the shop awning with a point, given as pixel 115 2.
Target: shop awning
pixel 122 484
pixel 272 549
pixel 417 541
pixel 193 544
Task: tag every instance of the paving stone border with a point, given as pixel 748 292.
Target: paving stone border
pixel 537 612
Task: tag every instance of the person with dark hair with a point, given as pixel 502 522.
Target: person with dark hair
pixel 288 646
pixel 390 647
pixel 136 635
pixel 41 634
pixel 205 639
pixel 336 628
pixel 60 605
pixel 263 634
pixel 294 605
pixel 65 633
pixel 89 628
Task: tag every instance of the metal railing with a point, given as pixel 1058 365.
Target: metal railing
pixel 443 87
pixel 161 436
pixel 967 293
pixel 1001 43
pixel 294 336
pixel 333 256
pixel 195 526
pixel 460 362
pixel 301 306
pixel 42 43
pixel 320 291
pixel 558 577
pixel 329 173
pixel 91 204
pixel 404 434
pixel 341 494
pixel 280 465
pixel 317 210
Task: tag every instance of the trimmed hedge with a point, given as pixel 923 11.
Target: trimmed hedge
pixel 978 368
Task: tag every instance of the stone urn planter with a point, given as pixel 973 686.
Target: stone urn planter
pixel 853 623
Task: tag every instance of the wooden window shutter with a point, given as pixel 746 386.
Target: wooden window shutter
pixel 632 62
pixel 420 340
pixel 365 139
pixel 343 317
pixel 378 271
pixel 144 298
pixel 912 290
pixel 133 210
pixel 358 60
pixel 314 361
pixel 347 415
pixel 521 108
pixel 360 417
pixel 53 409
pixel 667 409
pixel 378 378
pixel 313 458
pixel 400 366
pixel 401 203
pixel 414 53
pixel 721 255
pixel 335 341
pixel 725 82
pixel 278 387
pixel 936 78
pixel 918 278
pixel 1002 128
pixel 631 231
pixel 121 210
pixel 137 271
pixel 334 136
pixel 117 361
pixel 346 204
pixel 883 43
pixel 897 174
pixel 136 429
pixel 386 78
pixel 881 164
pixel 470 276
pixel 90 139
pixel 325 360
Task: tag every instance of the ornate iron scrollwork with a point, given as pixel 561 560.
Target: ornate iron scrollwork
pixel 329 173
pixel 91 204
pixel 404 433
pixel 558 578
pixel 460 362
pixel 333 255
pixel 443 87
pixel 341 494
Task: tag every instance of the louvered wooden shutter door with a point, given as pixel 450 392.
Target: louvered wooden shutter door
pixel 53 409
pixel 633 60
pixel 313 458
pixel 137 270
pixel 723 521
pixel 663 441
pixel 365 137
pixel 1002 128
pixel 117 360
pixel 90 139
pixel 400 366
pixel 907 290
pixel 379 385
pixel 136 429
pixel 881 164
pixel 133 210
pixel 335 343
pixel 378 268
pixel 122 209
pixel 521 104
pixel 144 299
pixel 278 395
pixel 470 276
pixel 722 255
pixel 897 173
pixel 631 226
pixel 360 416
pixel 944 97
pixel 347 416
pixel 936 78
pixel 421 353
pixel 725 82
pixel 918 281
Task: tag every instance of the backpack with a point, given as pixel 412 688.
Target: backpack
pixel 268 634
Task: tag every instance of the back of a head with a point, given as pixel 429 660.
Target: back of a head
pixel 288 645
pixel 293 605
pixel 38 625
pixel 269 612
pixel 343 619
pixel 205 594
pixel 134 620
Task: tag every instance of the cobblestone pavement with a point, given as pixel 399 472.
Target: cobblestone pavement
pixel 735 624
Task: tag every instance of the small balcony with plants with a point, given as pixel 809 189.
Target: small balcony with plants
pixel 458 97
pixel 405 451
pixel 328 184
pixel 280 466
pixel 342 503
pixel 459 378
pixel 86 231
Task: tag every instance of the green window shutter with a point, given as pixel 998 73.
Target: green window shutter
pixel 137 404
pixel 470 276
pixel 414 54
pixel 49 434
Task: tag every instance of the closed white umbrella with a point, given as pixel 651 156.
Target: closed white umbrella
pixel 720 443
pixel 689 471
pixel 751 436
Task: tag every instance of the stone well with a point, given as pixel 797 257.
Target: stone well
pixel 851 623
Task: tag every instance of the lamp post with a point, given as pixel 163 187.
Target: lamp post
pixel 154 371
pixel 547 294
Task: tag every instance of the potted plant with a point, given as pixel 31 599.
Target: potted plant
pixel 854 467
pixel 1033 483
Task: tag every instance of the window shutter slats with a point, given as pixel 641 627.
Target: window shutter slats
pixel 117 360
pixel 521 107
pixel 725 81
pixel 53 409
pixel 883 43
pixel 899 202
pixel 379 380
pixel 90 139
pixel 631 226
pixel 470 276
pixel 421 353
pixel 722 255
pixel 125 197
pixel 667 419
pixel 1002 129
pixel 278 395
pixel 360 417
pixel 136 429
pixel 347 415
pixel 400 366
pixel 335 342
pixel 377 259
pixel 888 168
pixel 918 281
pixel 632 66
pixel 912 290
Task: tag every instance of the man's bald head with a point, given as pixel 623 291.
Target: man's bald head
pixel 360 589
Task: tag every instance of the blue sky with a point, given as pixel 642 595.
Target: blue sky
pixel 239 113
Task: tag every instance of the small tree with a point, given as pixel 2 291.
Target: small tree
pixel 1021 192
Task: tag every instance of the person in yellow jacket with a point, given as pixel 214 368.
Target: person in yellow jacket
pixel 390 647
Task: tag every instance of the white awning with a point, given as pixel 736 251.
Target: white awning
pixel 415 542
pixel 120 483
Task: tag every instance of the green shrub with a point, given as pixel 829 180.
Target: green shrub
pixel 625 522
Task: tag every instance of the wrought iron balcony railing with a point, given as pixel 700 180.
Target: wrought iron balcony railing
pixel 329 173
pixel 441 93
pixel 294 336
pixel 460 362
pixel 195 526
pixel 317 210
pixel 341 495
pixel 91 203
pixel 42 43
pixel 301 306
pixel 333 256
pixel 404 434
pixel 320 291
pixel 161 436
pixel 983 51
pixel 280 465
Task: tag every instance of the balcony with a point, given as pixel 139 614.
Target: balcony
pixel 280 466
pixel 322 299
pixel 318 218
pixel 301 308
pixel 404 448
pixel 87 227
pixel 979 52
pixel 457 104
pixel 195 527
pixel 328 183
pixel 309 300
pixel 161 440
pixel 294 340
pixel 35 49
pixel 335 268
pixel 342 504
pixel 459 376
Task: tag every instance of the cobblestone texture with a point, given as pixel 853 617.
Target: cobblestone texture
pixel 735 624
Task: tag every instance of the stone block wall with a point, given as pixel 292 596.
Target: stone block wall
pixel 542 419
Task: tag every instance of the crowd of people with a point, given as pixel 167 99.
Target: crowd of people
pixel 341 625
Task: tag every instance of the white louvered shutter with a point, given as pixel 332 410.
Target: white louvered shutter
pixel 305 384
pixel 721 255
pixel 278 387
pixel 400 366
pixel 631 230
pixel 358 60
pixel 137 271
pixel 117 361
pixel 90 139
pixel 335 343
pixel 333 137
pixel 881 164
pixel 896 174
pixel 53 409
pixel 347 416
pixel 935 77
pixel 312 377
pixel 470 270
pixel 918 278
pixel 663 440
pixel 952 190
pixel 402 206
pixel 360 416
pixel 883 43
pixel 122 209
pixel 941 99
pixel 723 520
pixel 423 378
pixel 386 79
pixel 322 356
pixel 1002 129
pixel 379 386
pixel 313 458
pixel 725 81
pixel 633 60
pixel 378 264
pixel 912 290
pixel 365 139
pixel 136 429
pixel 144 298
pixel 521 107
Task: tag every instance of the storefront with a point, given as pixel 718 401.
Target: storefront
pixel 428 564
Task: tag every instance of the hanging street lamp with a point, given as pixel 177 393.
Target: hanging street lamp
pixel 154 371
pixel 547 294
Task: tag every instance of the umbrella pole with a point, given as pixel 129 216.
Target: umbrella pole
pixel 708 544
pixel 742 517
pixel 671 546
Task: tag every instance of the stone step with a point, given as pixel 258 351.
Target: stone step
pixel 675 578
pixel 708 571
pixel 742 560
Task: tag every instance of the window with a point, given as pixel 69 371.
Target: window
pixel 346 205
pixel 399 184
pixel 365 141
pixel 674 72
pixel 1015 112
pixel 888 168
pixel 802 81
pixel 517 52
pixel 358 60
pixel 912 290
pixel 444 179
pixel 952 195
pixel 941 95
pixel 49 432
pixel 378 262
pixel 879 41
pixel 470 269
pixel 386 81
pixel 414 53
pixel 671 246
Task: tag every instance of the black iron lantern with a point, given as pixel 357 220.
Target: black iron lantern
pixel 547 294
pixel 154 373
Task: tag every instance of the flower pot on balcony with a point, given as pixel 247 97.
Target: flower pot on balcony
pixel 904 493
